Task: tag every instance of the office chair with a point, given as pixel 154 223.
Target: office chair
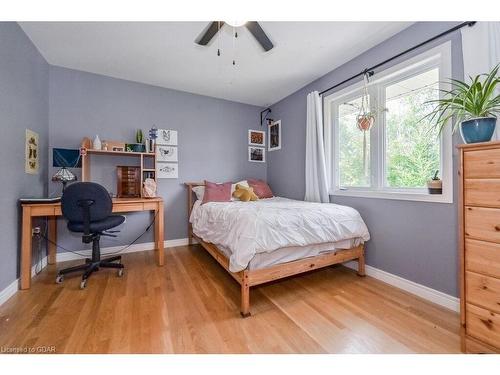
pixel 87 208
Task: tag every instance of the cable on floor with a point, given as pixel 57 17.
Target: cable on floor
pixel 110 253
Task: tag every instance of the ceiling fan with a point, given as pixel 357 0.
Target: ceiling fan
pixel 252 26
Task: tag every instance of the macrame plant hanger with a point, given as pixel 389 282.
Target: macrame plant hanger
pixel 365 119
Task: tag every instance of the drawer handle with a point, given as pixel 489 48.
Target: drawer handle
pixel 487 322
pixel 497 228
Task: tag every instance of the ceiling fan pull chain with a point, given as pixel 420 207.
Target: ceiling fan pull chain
pixel 235 33
pixel 218 38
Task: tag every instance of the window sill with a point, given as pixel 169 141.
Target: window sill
pixel 396 195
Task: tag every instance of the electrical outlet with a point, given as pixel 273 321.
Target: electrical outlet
pixel 35 231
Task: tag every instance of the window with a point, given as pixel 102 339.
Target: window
pixel 354 157
pixel 402 150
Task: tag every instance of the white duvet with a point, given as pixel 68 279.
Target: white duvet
pixel 249 228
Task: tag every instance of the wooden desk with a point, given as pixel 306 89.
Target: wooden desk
pixel 52 210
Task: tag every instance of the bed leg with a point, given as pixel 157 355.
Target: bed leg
pixel 245 297
pixel 361 263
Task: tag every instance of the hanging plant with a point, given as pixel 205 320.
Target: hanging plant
pixel 365 119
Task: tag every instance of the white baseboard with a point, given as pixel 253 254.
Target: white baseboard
pixel 432 295
pixel 145 246
pixel 13 287
pixel 39 266
pixel 9 291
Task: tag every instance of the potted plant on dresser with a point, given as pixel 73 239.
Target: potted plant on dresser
pixel 473 105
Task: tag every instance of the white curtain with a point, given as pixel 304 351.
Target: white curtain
pixel 316 173
pixel 481 50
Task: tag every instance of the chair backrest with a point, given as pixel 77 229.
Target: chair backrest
pixel 100 209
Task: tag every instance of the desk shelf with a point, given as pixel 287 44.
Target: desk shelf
pixel 87 144
pixel 119 153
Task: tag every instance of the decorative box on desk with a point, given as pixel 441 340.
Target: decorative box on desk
pixel 147 166
pixel 479 218
pixel 128 181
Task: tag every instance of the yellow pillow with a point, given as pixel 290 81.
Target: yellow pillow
pixel 244 194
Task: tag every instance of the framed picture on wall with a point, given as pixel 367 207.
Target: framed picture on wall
pixel 167 137
pixel 31 152
pixel 274 131
pixel 166 153
pixel 167 170
pixel 256 138
pixel 257 154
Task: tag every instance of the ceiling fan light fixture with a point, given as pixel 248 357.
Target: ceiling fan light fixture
pixel 236 23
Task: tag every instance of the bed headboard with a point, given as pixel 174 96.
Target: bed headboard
pixel 190 202
pixel 190 186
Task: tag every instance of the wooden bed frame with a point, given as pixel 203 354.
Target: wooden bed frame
pixel 248 278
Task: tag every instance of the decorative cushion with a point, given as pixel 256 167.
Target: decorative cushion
pixel 217 192
pixel 244 194
pixel 260 188
pixel 200 190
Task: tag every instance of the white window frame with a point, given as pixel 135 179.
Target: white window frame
pixel 439 57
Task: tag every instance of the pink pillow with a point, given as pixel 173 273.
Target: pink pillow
pixel 260 188
pixel 217 192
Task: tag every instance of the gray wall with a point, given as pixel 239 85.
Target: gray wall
pixel 24 79
pixel 415 240
pixel 212 139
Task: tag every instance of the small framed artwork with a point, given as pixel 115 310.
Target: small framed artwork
pixel 167 137
pixel 274 131
pixel 256 154
pixel 166 153
pixel 256 138
pixel 167 170
pixel 31 154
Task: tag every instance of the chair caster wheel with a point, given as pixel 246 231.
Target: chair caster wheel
pixel 83 284
pixel 120 272
pixel 59 279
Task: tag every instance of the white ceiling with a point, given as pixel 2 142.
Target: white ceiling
pixel 164 54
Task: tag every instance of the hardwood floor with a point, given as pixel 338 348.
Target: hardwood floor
pixel 191 305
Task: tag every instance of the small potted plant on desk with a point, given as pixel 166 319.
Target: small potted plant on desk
pixel 474 106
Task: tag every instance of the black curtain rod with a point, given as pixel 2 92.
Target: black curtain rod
pixel 370 70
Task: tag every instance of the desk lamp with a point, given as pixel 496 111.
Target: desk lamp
pixel 64 159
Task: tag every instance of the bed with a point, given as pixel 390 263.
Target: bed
pixel 270 239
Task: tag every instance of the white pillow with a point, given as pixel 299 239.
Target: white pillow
pixel 200 190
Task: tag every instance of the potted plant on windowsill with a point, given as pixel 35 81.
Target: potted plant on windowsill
pixel 435 185
pixel 473 105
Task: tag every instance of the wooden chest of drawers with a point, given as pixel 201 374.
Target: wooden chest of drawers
pixel 479 219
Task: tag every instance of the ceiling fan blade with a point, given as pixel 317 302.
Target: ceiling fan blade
pixel 260 35
pixel 207 35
